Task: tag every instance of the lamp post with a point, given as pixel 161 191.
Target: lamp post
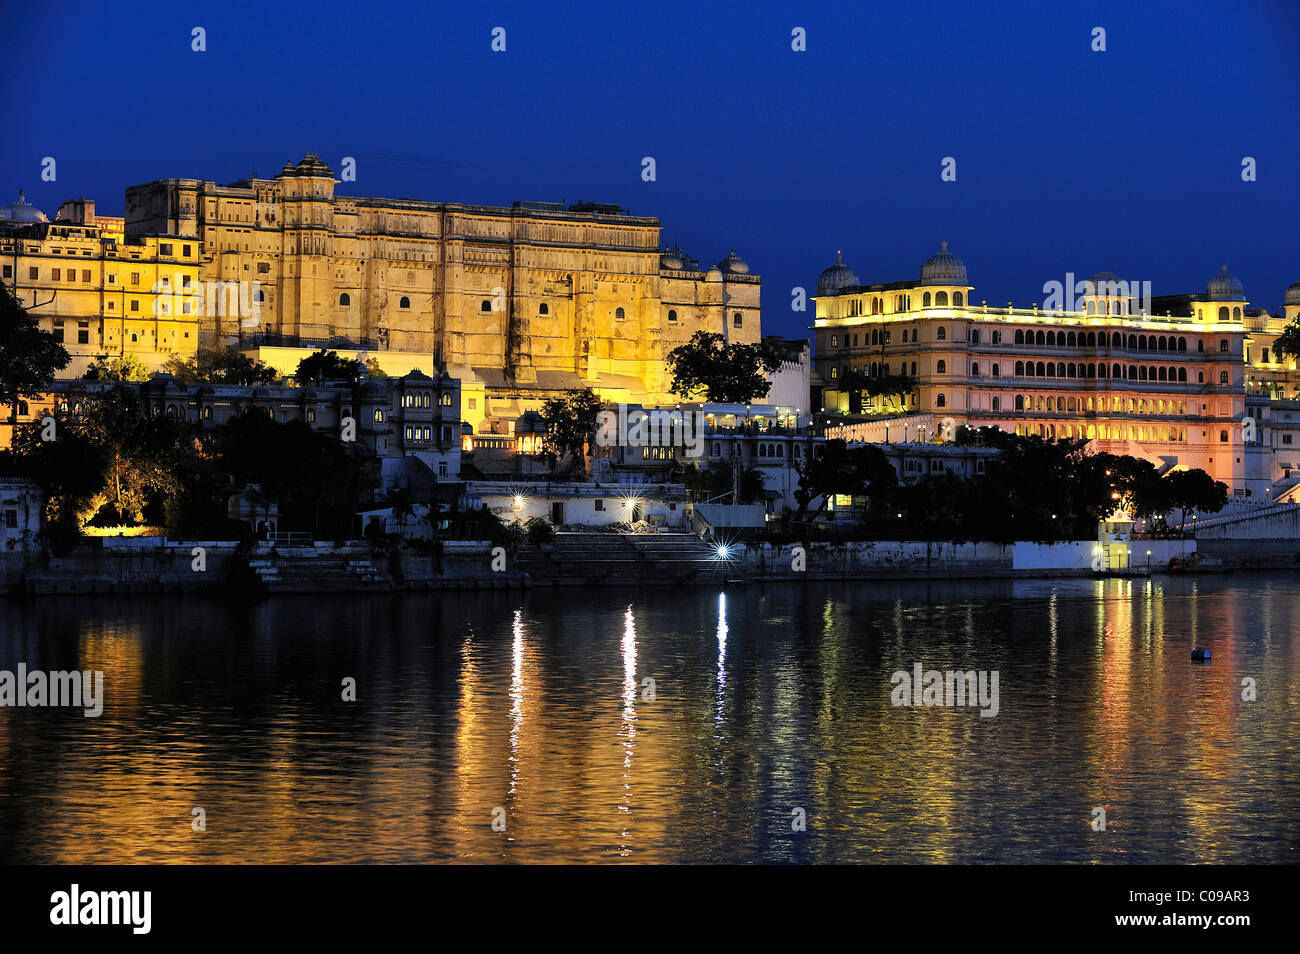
pixel 1148 563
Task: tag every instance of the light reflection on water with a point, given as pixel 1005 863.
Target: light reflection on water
pixel 764 701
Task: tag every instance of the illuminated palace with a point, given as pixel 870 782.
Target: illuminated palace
pixel 518 302
pixel 1170 387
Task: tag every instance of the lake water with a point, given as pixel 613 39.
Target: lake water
pixel 768 706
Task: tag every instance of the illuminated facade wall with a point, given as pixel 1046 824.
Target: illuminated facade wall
pixel 98 295
pixel 533 297
pixel 1149 386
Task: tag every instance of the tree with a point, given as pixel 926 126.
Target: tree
pixel 321 366
pixel 1194 490
pixel 220 366
pixel 29 356
pixel 570 421
pixel 726 373
pixel 373 369
pixel 125 368
pixel 835 468
pixel 855 382
pixel 1288 342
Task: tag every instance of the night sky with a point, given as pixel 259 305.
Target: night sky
pixel 1067 160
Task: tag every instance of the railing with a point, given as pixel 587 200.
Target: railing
pixel 286 539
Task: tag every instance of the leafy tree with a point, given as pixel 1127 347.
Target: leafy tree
pixel 1194 490
pixel 570 421
pixel 1288 342
pixel 725 373
pixel 836 468
pixel 29 357
pixel 857 382
pixel 373 369
pixel 321 366
pixel 220 366
pixel 125 368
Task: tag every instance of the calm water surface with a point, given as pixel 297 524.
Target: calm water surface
pixel 765 701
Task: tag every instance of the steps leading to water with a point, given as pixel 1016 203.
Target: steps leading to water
pixel 596 559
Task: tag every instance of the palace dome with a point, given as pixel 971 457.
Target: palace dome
pixel 1293 294
pixel 733 264
pixel 1225 287
pixel 1104 277
pixel 836 278
pixel 944 268
pixel 671 258
pixel 21 211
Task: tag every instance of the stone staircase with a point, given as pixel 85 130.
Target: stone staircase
pixel 611 559
pixel 287 571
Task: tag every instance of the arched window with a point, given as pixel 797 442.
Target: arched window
pixel 1069 370
pixel 311 414
pixel 672 316
pixel 875 337
pixel 913 369
pixel 1116 371
pixel 1236 314
pixel 485 305
pixel 1182 374
pixel 379 416
pixel 1020 368
pixel 1040 370
pixel 345 299
pixel 207 414
pixel 1069 340
pixel 1040 339
pixel 404 302
pixel 1223 344
pixel 543 309
pixel 425 400
pixel 1223 377
pixel 941 298
pixel 942 334
pixel 939 401
pixel 1051 339
pixel 260 296
pixel 1223 313
pixel 941 367
pixel 1161 374
pixel 1223 436
pixel 957 299
pixel 619 314
pixel 995 369
pixel 1020 337
pixel 780 451
pixel 996 404
pixel 737 320
pixel 1020 402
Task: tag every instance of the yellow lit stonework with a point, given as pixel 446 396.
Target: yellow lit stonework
pixel 520 301
pixel 105 298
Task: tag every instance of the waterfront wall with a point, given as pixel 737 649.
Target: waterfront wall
pixel 908 557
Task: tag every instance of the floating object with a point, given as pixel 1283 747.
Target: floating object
pixel 1201 655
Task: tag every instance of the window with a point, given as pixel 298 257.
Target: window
pixel 619 314
pixel 442 468
pixel 33 273
pixel 925 300
pixel 1223 345
pixel 404 302
pixel 185 251
pixel 941 334
pixel 58 330
pixel 379 416
pixel 600 505
pixel 1223 377
pixel 409 430
pixel 135 278
pixel 835 341
pixel 543 309
pixel 345 299
pixel 975 369
pixel 83 332
pixel 56 274
pixel 939 401
pixel 995 369
pixel 737 320
pixel 1286 438
pixel 941 298
pixel 85 276
pixel 485 305
pixel 997 403
pixel 135 304
pixel 672 315
pixel 1223 436
pixel 445 400
pixel 311 415
pixel 941 367
pixel 9 271
pixel 473 404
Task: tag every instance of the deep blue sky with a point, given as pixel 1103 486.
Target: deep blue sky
pixel 1067 159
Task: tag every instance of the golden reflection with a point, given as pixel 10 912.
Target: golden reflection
pixel 628 732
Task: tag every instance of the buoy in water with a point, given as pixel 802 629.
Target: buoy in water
pixel 1201 655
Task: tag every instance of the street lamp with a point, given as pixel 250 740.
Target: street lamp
pixel 1148 563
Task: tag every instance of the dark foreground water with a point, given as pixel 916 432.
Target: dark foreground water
pixel 767 703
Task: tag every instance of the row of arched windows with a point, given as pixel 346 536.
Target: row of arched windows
pixel 941 299
pixel 1105 432
pixel 1061 404
pixel 1132 372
